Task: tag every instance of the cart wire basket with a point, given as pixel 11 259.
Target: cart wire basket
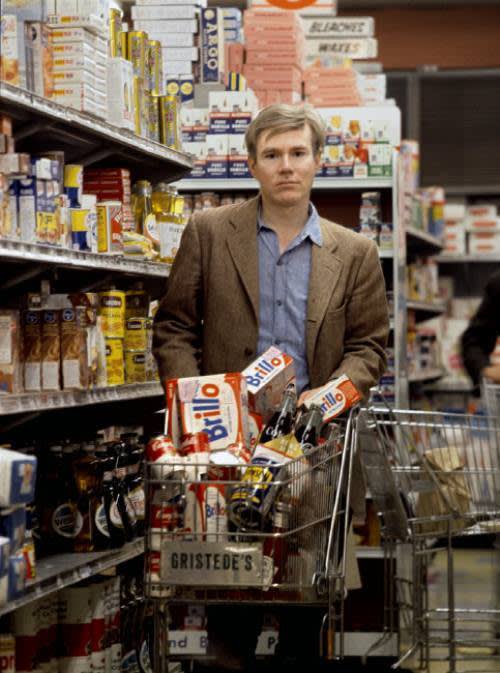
pixel 222 534
pixel 433 476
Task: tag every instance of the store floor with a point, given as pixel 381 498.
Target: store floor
pixel 477 586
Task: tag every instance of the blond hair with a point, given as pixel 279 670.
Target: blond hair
pixel 280 118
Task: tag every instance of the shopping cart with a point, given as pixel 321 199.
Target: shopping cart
pixel 433 476
pixel 491 397
pixel 208 542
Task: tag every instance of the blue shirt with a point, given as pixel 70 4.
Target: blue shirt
pixel 283 291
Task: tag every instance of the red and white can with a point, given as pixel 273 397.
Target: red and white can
pixel 194 442
pixel 162 453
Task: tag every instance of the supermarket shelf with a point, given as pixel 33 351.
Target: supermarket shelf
pixel 43 122
pixel 427 375
pixel 422 242
pixel 425 310
pixel 473 259
pixel 385 254
pixel 56 572
pixel 241 184
pixel 65 399
pixel 450 386
pixel 36 252
pixel 473 190
pixel 369 553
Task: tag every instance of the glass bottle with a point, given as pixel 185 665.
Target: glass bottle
pixel 145 220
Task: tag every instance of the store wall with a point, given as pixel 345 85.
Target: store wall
pixel 454 37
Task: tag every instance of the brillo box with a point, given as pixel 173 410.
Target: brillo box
pixel 335 397
pixel 267 378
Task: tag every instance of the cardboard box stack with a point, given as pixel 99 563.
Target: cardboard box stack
pixel 483 226
pixel 331 87
pixel 233 23
pixel 80 52
pixel 215 137
pixel 454 229
pixel 330 40
pixel 174 25
pixel 274 60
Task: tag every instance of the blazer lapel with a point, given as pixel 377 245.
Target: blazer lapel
pixel 326 269
pixel 242 244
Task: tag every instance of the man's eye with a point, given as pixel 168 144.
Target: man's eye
pixel 299 153
pixel 270 155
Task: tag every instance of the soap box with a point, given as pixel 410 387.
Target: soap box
pixel 217 405
pixel 212 44
pixel 267 378
pixel 335 397
pixel 17 478
pixel 13 526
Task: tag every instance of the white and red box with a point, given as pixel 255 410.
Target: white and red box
pixel 217 405
pixel 335 397
pixel 267 378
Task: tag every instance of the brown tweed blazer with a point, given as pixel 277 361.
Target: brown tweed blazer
pixel 207 321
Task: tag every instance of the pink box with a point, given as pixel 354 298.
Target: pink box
pixel 289 76
pixel 271 58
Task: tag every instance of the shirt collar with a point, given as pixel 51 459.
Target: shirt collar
pixel 312 228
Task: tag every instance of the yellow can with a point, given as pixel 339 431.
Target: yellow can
pixel 124 44
pixel 169 121
pixel 138 92
pixel 115 370
pixel 136 304
pixel 115 31
pixel 136 51
pixel 112 312
pixel 153 118
pixel 155 66
pixel 135 367
pixel 137 334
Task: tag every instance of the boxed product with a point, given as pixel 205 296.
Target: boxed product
pixel 17 576
pixel 199 153
pixel 212 44
pixel 51 350
pixel 39 56
pixel 158 30
pixel 216 405
pixel 119 99
pixel 454 242
pixel 32 350
pixel 10 352
pixel 335 27
pixel 17 478
pixel 4 555
pixel 379 160
pixel 237 157
pixel 9 50
pixel 335 397
pixel 353 48
pixel 217 156
pixel 484 242
pixel 163 12
pixel 267 378
pixel 74 358
pixel 13 526
pixel 482 217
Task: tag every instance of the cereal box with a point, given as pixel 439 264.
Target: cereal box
pixel 216 405
pixel 267 378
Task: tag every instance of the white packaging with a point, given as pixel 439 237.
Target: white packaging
pixel 484 243
pixel 17 478
pixel 74 62
pixel 120 109
pixel 75 624
pixel 173 39
pixel 454 241
pixel 267 378
pixel 355 49
pixel 454 211
pixel 327 27
pixel 179 53
pixel 177 68
pixel 335 397
pixel 4 554
pixel 168 12
pixel 67 7
pixel 168 26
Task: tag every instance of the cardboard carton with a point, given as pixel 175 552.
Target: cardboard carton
pixel 267 378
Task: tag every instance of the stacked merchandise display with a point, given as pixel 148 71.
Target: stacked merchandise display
pixel 472 229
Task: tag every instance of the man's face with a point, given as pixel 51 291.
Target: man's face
pixel 285 166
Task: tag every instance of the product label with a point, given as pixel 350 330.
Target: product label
pixel 67 521
pixel 138 502
pixel 101 520
pixel 5 340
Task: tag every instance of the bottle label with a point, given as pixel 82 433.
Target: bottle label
pixel 145 659
pixel 138 502
pixel 151 228
pixel 101 520
pixel 130 663
pixel 67 521
pixel 115 516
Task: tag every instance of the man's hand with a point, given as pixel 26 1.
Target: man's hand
pixel 305 395
pixel 492 373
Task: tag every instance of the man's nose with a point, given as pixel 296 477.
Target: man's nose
pixel 285 164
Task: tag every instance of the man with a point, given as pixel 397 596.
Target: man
pixel 271 271
pixel 479 339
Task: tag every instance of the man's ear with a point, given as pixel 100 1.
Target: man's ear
pixel 251 165
pixel 318 158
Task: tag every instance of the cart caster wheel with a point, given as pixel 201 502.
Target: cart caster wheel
pixel 321 584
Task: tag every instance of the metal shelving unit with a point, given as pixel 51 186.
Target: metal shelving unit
pixel 245 184
pixel 426 375
pixel 422 242
pixel 425 309
pixel 470 259
pixel 44 120
pixel 66 399
pixel 62 570
pixel 18 251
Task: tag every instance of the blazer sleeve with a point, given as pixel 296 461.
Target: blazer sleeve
pixel 367 326
pixel 178 321
pixel 478 340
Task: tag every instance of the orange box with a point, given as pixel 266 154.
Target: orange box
pixel 278 19
pixel 335 397
pixel 288 75
pixel 217 405
pixel 317 86
pixel 267 378
pixel 236 56
pixel 319 72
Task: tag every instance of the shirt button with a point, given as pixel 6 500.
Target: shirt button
pixel 279 302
